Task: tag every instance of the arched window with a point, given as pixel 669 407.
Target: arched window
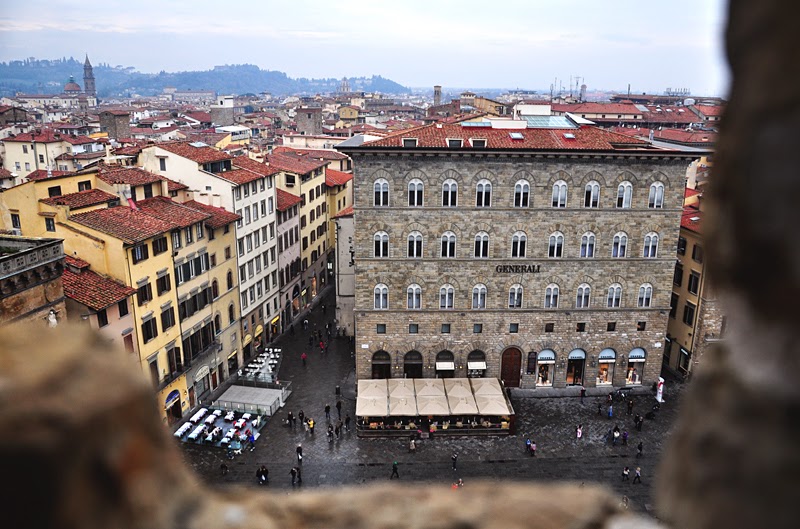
pixel 448 244
pixel 381 240
pixel 479 296
pixel 531 363
pixel 651 245
pixel 231 314
pixel 446 294
pixel 551 297
pixel 483 194
pixel 381 188
pixel 582 298
pixel 229 279
pixel 217 324
pixel 587 244
pixel 560 194
pixel 214 289
pixel 522 190
pixel 556 247
pixel 518 242
pixel 414 296
pixel 614 295
pixel 381 296
pixel 645 295
pixel 415 193
pixel 656 197
pixel 450 193
pixel 515 297
pixel 591 195
pixel 415 244
pixel 620 246
pixel 482 245
pixel 624 194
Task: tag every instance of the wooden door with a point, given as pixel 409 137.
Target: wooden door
pixel 511 366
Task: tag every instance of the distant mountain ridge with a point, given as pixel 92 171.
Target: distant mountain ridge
pixel 48 76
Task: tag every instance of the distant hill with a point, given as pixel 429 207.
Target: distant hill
pixel 48 76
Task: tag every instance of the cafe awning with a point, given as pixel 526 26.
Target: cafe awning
pixel 432 405
pixel 401 387
pixel 429 387
pixel 372 388
pixel 486 386
pixel 372 407
pixel 445 366
pixel 402 406
pixel 462 405
pixel 457 387
pixel 491 405
pixel 472 366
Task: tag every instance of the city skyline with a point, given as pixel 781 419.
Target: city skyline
pixel 648 48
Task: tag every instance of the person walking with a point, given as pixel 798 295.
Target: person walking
pixel 311 425
pixel 610 411
pixel 412 446
pixel 625 438
pixel 293 473
pixel 305 324
pixel 339 407
pixel 290 419
pixel 583 393
pixel 579 431
pixel 303 357
pixel 302 416
pixel 639 449
pixel 637 478
pixel 599 408
pixel 615 434
pixel 299 476
pixel 299 451
pixel 321 346
pixel 327 412
pixel 630 407
pixel 323 308
pixel 262 475
pixel 626 472
pixel 347 422
pixel 533 449
pixel 528 445
pixel 454 458
pixel 640 423
pixel 330 433
pixel 394 471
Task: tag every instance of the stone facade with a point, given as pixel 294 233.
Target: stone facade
pixel 30 279
pixel 388 329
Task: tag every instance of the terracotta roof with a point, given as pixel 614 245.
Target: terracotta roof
pixel 689 192
pixel 41 174
pixel 710 110
pixel 5 173
pixel 670 114
pixel 93 290
pixel 293 164
pixel 585 138
pixel 336 178
pixel 285 199
pixel 128 225
pixel 596 108
pixel 130 150
pixel 692 219
pixel 116 112
pixel 203 117
pixel 172 185
pixel 81 156
pixel 134 176
pixel 239 176
pixel 322 154
pixel 77 262
pixel 688 137
pixel 262 169
pixel 167 210
pixel 49 136
pixel 346 212
pixel 200 155
pixel 81 199
pixel 209 138
pixel 219 217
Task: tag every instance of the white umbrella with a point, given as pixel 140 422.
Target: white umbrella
pixel 457 387
pixel 432 405
pixel 373 388
pixel 462 405
pixel 371 407
pixel 405 406
pixel 429 387
pixel 401 387
pixel 486 386
pixel 492 405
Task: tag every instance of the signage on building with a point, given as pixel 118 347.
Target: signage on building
pixel 517 269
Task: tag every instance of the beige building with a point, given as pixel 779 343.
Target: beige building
pixel 540 256
pixel 44 149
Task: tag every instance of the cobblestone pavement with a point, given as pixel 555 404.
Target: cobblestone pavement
pixel 550 422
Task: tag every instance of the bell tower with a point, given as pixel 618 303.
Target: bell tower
pixel 88 78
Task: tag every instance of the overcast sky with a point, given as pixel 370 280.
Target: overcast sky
pixel 505 44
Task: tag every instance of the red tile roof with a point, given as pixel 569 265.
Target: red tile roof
pixel 128 225
pixel 130 150
pixel 5 173
pixel 688 137
pixel 692 219
pixel 116 112
pixel 336 178
pixel 41 174
pixel 81 199
pixel 285 199
pixel 262 169
pixel 172 185
pixel 93 290
pixel 346 212
pixel 167 210
pixel 203 117
pixel 134 176
pixel 596 108
pixel 200 155
pixel 239 176
pixel 49 136
pixel 219 217
pixel 322 154
pixel 670 114
pixel 586 138
pixel 689 192
pixel 77 262
pixel 710 110
pixel 293 164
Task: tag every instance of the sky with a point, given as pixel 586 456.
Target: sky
pixel 460 44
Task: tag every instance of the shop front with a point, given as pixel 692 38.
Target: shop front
pixel 247 345
pixel 605 367
pixel 412 364
pixel 258 337
pixel 636 359
pixel 476 364
pixel 202 383
pixel 304 297
pixel 545 368
pixel 233 362
pixel 381 365
pixel 313 287
pixel 295 302
pixel 275 326
pixel 576 364
pixel 172 406
pixel 445 364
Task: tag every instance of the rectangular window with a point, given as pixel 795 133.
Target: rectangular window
pixel 694 282
pixel 15 223
pixel 513 327
pixel 122 307
pixel 102 318
pixel 237 193
pixel 270 205
pixel 673 305
pixel 240 246
pixel 381 328
pixel 149 330
pixel 611 326
pixel 255 212
pixel 477 328
pixel 167 318
pixel 688 313
pixel 580 327
pixel 176 239
pixel 246 189
pixel 86 185
pixel 144 294
pixel 413 328
pixel 148 191
pixel 54 191
pixel 697 253
pixel 445 328
pixel 50 224
pixel 163 284
pixel 227 252
pixel 162 164
pixel 188 235
pixel 139 253
pixel 549 327
pixel 239 220
pixel 159 245
pixel 247 215
pixel 199 230
pixel 681 245
pixel 677 278
pixel 641 325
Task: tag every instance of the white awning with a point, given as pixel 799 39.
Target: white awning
pixel 637 355
pixel 446 366
pixel 476 365
pixel 577 354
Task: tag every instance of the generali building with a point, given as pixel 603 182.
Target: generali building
pixel 539 251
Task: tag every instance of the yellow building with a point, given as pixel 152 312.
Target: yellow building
pixel 349 114
pixel 41 149
pixel 340 197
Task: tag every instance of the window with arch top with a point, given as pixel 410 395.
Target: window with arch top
pixel 650 245
pixel 559 194
pixel 479 296
pixel 587 244
pixel 591 195
pixel 515 297
pixel 415 244
pixel 619 248
pixel 556 245
pixel 614 295
pixel 551 296
pixel 656 197
pixel 381 292
pixel 415 188
pixel 518 243
pixel 481 245
pixel 645 295
pixel 483 194
pixel 624 194
pixel 381 190
pixel 381 243
pixel 414 292
pixel 448 244
pixel 446 295
pixel 522 191
pixel 582 297
pixel 449 193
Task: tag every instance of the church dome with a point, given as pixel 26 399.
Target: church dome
pixel 72 86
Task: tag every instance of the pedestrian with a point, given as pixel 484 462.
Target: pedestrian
pixel 323 308
pixel 394 471
pixel 610 399
pixel 616 435
pixel 579 431
pixel 583 393
pixel 640 423
pixel 412 446
pixel 533 448
pixel 460 483
pixel 637 478
pixel 599 408
pixel 321 346
pixel 337 430
pixel 626 473
pixel 330 433
pixel 636 419
pixel 328 412
pixel 303 357
pixel 454 458
pixel 625 438
pixel 610 411
pixel 339 407
pixel 299 451
pixel 624 503
pixel 293 473
pixel 454 486
pixel 639 449
pixel 302 416
pixel 299 475
pixel 223 469
pixel 290 419
pixel 528 445
pixel 347 422
pixel 262 475
pixel 305 324
pixel 311 425
pixel 251 438
pixel 630 407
